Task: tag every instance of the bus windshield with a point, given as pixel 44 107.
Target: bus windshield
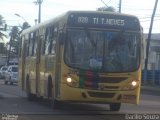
pixel 105 51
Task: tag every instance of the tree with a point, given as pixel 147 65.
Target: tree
pixel 14 34
pixel 110 9
pixel 14 40
pixel 13 43
pixel 2 23
pixel 24 26
pixel 3 49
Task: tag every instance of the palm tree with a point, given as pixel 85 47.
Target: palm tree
pixel 13 43
pixel 2 22
pixel 14 33
pixel 25 25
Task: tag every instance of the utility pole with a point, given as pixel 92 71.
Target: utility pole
pixel 39 2
pixel 120 5
pixel 149 38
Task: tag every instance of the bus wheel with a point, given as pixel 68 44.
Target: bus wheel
pixel 54 103
pixel 115 106
pixel 30 96
pixel 49 87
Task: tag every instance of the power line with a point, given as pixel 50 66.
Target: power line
pixel 149 20
pixel 104 3
pixel 145 17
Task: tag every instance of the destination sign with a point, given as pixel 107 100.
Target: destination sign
pixel 107 21
pixel 103 21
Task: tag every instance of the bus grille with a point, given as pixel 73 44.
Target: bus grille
pixel 111 87
pixel 100 94
pixel 112 79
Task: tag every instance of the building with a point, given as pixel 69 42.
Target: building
pixel 154 51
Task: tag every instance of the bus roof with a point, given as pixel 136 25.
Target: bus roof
pixel 64 17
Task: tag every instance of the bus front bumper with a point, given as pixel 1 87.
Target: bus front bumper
pixel 98 96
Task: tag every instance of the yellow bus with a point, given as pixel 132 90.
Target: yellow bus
pixel 83 56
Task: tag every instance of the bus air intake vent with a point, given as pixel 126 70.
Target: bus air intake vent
pixel 100 94
pixel 112 79
pixel 111 87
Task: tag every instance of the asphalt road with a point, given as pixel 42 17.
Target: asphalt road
pixel 13 103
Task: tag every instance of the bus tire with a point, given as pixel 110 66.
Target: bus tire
pixel 115 106
pixel 49 87
pixel 30 96
pixel 55 104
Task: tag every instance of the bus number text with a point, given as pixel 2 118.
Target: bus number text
pixel 82 19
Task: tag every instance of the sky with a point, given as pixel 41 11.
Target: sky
pixel 51 8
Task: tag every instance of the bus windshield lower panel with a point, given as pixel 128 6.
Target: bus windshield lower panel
pixel 103 51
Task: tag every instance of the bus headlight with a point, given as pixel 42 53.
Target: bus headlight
pixel 130 86
pixel 134 83
pixel 69 79
pixel 71 82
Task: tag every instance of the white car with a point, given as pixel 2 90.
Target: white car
pixel 3 71
pixel 11 75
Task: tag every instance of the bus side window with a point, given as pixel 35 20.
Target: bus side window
pixel 35 44
pixel 28 43
pixel 32 39
pixel 43 46
pixel 53 44
pixel 48 40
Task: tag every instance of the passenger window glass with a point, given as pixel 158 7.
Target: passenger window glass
pixel 32 43
pixel 43 45
pixel 53 46
pixel 35 45
pixel 28 43
pixel 49 34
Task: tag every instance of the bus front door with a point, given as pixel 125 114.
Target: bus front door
pixel 58 70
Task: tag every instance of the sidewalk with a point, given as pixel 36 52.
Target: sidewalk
pixel 151 89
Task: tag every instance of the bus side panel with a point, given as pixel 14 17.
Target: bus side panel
pixel 22 65
pixel 20 69
pixel 48 68
pixel 58 70
pixel 30 72
pixel 43 77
